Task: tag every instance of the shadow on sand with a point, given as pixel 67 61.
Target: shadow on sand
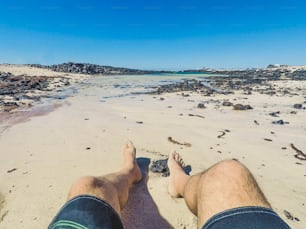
pixel 141 210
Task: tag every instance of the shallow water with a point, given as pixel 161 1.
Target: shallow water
pixel 119 86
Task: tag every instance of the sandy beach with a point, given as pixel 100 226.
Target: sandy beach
pixel 61 140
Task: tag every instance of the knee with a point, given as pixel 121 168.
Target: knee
pixel 230 169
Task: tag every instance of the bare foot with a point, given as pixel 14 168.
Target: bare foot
pixel 130 163
pixel 178 177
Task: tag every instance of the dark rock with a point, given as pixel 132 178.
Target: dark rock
pixel 4 75
pixel 16 87
pixel 227 104
pixel 160 166
pixel 280 122
pixel 185 85
pixel 10 104
pixel 275 114
pixel 201 106
pixel 242 107
pixel 298 106
pixel 185 95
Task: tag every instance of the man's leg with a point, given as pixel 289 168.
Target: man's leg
pixel 94 201
pixel 224 186
pixel 112 188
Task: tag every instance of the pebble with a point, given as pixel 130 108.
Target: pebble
pixel 275 114
pixel 201 106
pixel 298 106
pixel 227 104
pixel 280 122
pixel 160 166
pixel 241 107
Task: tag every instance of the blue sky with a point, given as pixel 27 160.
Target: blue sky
pixel 159 34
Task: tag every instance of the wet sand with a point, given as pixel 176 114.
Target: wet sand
pixel 41 157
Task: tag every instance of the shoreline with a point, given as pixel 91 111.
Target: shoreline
pixel 43 156
pixel 25 91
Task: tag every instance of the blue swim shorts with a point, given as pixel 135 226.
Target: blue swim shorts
pixel 246 218
pixel 86 212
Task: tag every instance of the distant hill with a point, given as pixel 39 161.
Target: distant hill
pixel 272 71
pixel 92 69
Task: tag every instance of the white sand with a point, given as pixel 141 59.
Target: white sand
pixel 49 152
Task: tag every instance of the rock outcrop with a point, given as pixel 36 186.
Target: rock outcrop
pixel 22 90
pixel 91 69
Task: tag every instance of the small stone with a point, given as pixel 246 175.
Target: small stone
pixel 275 114
pixel 280 122
pixel 160 166
pixel 241 107
pixel 227 104
pixel 201 106
pixel 298 106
